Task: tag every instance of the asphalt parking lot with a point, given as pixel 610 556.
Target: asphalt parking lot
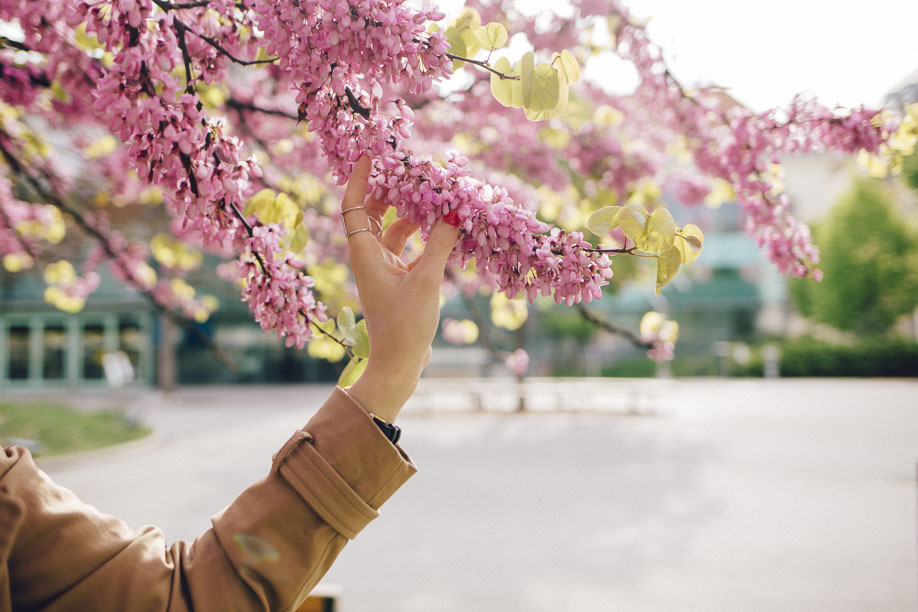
pixel 726 495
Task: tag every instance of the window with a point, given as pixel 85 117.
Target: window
pixel 18 352
pixel 55 353
pixel 93 349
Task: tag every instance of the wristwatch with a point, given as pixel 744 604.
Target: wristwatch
pixel 392 432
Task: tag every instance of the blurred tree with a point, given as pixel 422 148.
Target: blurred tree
pixel 230 118
pixel 870 260
pixel 910 170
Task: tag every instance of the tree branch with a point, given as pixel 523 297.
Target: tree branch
pixel 12 44
pixel 477 315
pixel 47 194
pixel 193 5
pixel 239 105
pixel 186 56
pixel 482 64
pixel 612 329
pixel 19 237
pixel 210 41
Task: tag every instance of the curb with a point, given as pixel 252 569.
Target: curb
pixel 152 440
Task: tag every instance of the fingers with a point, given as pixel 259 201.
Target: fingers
pixel 397 235
pixel 439 246
pixel 353 209
pixel 376 209
pixel 356 191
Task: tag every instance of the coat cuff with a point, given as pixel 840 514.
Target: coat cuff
pixel 342 465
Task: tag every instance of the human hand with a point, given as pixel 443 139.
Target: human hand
pixel 401 301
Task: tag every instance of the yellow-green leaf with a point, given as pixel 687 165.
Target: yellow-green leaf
pixel 468 18
pixel 604 219
pixel 259 201
pixel 721 192
pixel 516 86
pixel 456 46
pixel 461 38
pixel 651 323
pixel 552 113
pixel 542 86
pixel 689 242
pixel 527 68
pixel 659 232
pixel 667 265
pixel 472 45
pixel 300 238
pixel 346 320
pixel 567 66
pixel 502 89
pixel 491 36
pixel 361 340
pixel 352 372
pixel 506 313
pixel 632 217
pixel 322 347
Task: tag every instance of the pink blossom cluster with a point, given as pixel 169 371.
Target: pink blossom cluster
pixel 335 44
pixel 339 61
pixel 688 190
pixel 272 283
pixel 755 141
pixel 501 237
pixel 172 143
pixel 739 146
pixel 346 114
pixel 72 69
pixel 80 287
pixel 598 152
pixel 21 85
pixel 661 350
pixel 517 362
pixel 501 131
pixel 127 263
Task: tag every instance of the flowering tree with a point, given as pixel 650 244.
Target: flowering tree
pixel 234 114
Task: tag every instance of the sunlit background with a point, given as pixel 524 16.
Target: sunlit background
pixel 769 466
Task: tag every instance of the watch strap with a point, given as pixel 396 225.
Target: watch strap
pixel 392 432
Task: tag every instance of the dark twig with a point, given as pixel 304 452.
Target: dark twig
pixel 482 64
pixel 239 105
pixel 612 329
pixel 186 56
pixel 210 41
pixel 48 195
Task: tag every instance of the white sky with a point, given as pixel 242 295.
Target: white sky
pixel 848 52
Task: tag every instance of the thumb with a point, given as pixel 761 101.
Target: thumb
pixel 439 246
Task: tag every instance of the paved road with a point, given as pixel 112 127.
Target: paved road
pixel 751 495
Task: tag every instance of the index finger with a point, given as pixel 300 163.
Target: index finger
pixel 353 208
pixel 356 191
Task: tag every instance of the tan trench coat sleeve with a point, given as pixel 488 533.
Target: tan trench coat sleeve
pixel 265 551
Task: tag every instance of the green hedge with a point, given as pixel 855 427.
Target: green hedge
pixel 882 357
pixel 868 358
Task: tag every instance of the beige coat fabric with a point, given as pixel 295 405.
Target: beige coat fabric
pixel 265 551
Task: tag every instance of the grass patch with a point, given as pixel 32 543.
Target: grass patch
pixel 59 429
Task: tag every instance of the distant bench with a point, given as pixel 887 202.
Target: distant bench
pixel 619 395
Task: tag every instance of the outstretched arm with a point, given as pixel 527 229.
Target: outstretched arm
pixel 269 548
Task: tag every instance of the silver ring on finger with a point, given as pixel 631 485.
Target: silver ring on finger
pixel 375 222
